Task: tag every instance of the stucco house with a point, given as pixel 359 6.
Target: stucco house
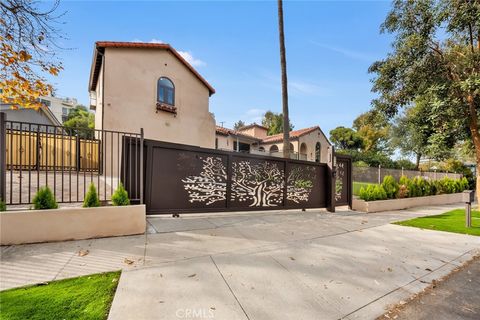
pixel 309 144
pixel 150 85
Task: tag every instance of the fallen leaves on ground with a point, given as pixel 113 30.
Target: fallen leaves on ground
pixel 128 261
pixel 83 253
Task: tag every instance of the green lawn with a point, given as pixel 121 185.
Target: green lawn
pixel 451 221
pixel 88 297
pixel 358 185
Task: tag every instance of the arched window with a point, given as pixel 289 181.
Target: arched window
pixel 318 149
pixel 303 148
pixel 273 148
pixel 261 149
pixel 165 91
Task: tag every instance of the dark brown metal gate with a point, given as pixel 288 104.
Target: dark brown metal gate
pixel 343 181
pixel 181 178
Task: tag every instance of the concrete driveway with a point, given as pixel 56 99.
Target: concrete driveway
pixel 257 265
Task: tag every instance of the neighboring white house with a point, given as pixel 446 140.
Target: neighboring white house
pixel 60 107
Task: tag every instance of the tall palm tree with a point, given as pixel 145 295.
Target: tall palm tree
pixel 283 64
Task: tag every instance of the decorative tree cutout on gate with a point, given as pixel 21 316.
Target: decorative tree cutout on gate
pixel 261 183
pixel 339 180
pixel 211 185
pixel 300 183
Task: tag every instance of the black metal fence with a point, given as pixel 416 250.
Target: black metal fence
pixel 67 161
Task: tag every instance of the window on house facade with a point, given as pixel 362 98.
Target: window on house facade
pixel 65 112
pixel 46 103
pixel 318 149
pixel 165 91
pixel 242 147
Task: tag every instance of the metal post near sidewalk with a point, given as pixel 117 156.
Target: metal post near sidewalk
pixel 468 197
pixel 3 156
pixel 141 164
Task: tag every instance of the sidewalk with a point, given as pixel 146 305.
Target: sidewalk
pixel 257 265
pixel 456 297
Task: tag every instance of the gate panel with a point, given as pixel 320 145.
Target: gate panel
pixel 257 183
pixel 343 181
pixel 306 186
pixel 188 180
pixel 181 178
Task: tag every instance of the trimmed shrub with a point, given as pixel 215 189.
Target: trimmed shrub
pixel 390 186
pixel 372 193
pixel 403 180
pixel 465 183
pixel 409 188
pixel 422 187
pixel 120 196
pixel 3 206
pixel 91 198
pixel 380 193
pixel 44 199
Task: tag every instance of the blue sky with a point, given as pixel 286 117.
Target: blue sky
pixel 234 45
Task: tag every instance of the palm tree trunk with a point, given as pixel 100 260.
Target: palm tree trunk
pixel 283 64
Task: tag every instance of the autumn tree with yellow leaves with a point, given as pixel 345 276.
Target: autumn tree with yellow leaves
pixel 28 42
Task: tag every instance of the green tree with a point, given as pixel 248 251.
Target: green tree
pixel 238 125
pixel 274 122
pixel 81 122
pixel 410 132
pixel 346 139
pixel 28 46
pixel 436 57
pixel 374 129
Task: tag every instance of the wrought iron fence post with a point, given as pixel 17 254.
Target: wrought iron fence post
pixel 3 154
pixel 141 165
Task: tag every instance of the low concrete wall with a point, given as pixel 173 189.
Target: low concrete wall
pixel 399 204
pixel 31 226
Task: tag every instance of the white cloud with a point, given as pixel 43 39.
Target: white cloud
pixel 357 55
pixel 187 55
pixel 254 115
pixel 306 88
pixel 151 41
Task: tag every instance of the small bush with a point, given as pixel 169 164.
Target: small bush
pixel 372 193
pixel 380 193
pixel 403 180
pixel 91 198
pixel 120 196
pixel 422 187
pixel 390 186
pixel 465 183
pixel 44 199
pixel 3 206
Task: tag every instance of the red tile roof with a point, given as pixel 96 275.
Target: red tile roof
pixel 293 134
pixel 101 45
pixel 229 132
pixel 251 126
pixel 269 139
